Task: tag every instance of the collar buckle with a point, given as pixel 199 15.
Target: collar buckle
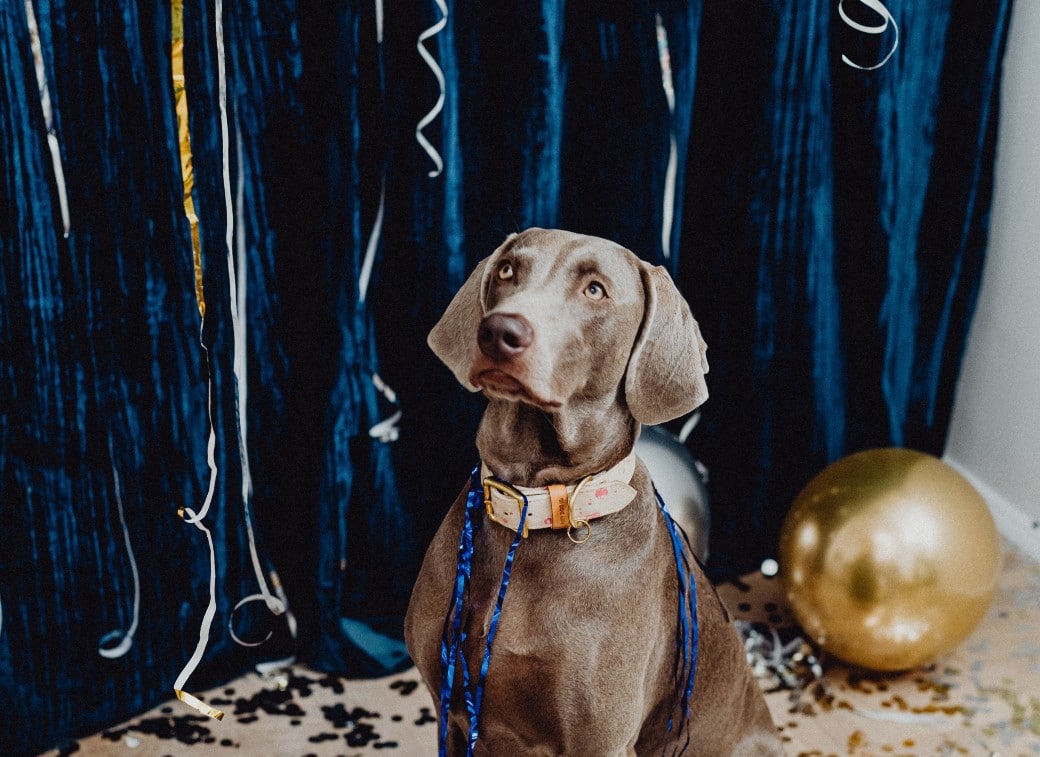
pixel 500 486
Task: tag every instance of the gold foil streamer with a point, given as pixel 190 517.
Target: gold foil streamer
pixel 190 516
pixel 180 95
pixel 198 704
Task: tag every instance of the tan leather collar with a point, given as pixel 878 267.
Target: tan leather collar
pixel 559 506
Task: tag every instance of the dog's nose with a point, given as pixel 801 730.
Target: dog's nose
pixel 503 336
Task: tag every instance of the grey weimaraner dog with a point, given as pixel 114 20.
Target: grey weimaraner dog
pixel 576 342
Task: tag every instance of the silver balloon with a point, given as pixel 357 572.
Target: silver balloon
pixel 681 481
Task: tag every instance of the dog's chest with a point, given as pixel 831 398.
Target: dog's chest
pixel 559 594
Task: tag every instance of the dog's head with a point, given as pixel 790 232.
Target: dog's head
pixel 551 317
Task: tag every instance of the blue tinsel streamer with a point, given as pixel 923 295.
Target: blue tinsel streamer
pixel 689 632
pixel 453 636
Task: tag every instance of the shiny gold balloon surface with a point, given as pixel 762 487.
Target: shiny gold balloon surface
pixel 889 558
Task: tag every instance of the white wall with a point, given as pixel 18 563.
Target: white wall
pixel 995 429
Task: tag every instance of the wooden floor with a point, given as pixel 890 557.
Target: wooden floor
pixel 982 699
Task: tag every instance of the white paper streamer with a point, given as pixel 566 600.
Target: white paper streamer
pixel 373 245
pixel 886 18
pixel 211 445
pixel 270 667
pixel 668 209
pixel 195 519
pixel 188 514
pixel 204 627
pixel 439 74
pixel 238 314
pixel 48 114
pixel 386 430
pixel 127 639
pixel 689 426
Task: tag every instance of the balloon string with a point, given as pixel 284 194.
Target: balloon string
pixel 127 640
pixel 439 75
pixel 53 145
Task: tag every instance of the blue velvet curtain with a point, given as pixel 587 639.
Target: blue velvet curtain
pixel 828 226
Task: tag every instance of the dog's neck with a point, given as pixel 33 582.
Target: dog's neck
pixel 527 446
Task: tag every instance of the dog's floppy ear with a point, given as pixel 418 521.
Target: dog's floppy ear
pixel 665 376
pixel 454 338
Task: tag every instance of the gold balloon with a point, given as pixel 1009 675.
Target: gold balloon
pixel 889 558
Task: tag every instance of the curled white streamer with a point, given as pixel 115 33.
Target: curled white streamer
pixel 211 606
pixel 268 667
pixel 439 75
pixel 387 429
pixel 231 629
pixel 238 304
pixel 886 18
pixel 126 639
pixel 48 114
pixel 668 209
pixel 195 519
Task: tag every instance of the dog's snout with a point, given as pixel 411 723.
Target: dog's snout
pixel 502 336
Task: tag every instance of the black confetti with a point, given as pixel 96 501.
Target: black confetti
pixel 362 735
pixel 404 687
pixel 425 716
pixel 66 748
pixel 187 729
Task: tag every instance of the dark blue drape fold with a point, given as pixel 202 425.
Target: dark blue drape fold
pixel 835 237
pixel 827 224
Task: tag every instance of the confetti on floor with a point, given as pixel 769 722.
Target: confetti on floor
pixel 981 699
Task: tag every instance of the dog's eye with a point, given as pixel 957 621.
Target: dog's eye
pixel 595 291
pixel 505 271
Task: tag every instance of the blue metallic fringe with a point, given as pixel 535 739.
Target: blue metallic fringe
pixel 688 632
pixel 453 636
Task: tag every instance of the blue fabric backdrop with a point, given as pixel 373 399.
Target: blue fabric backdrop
pixel 829 229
